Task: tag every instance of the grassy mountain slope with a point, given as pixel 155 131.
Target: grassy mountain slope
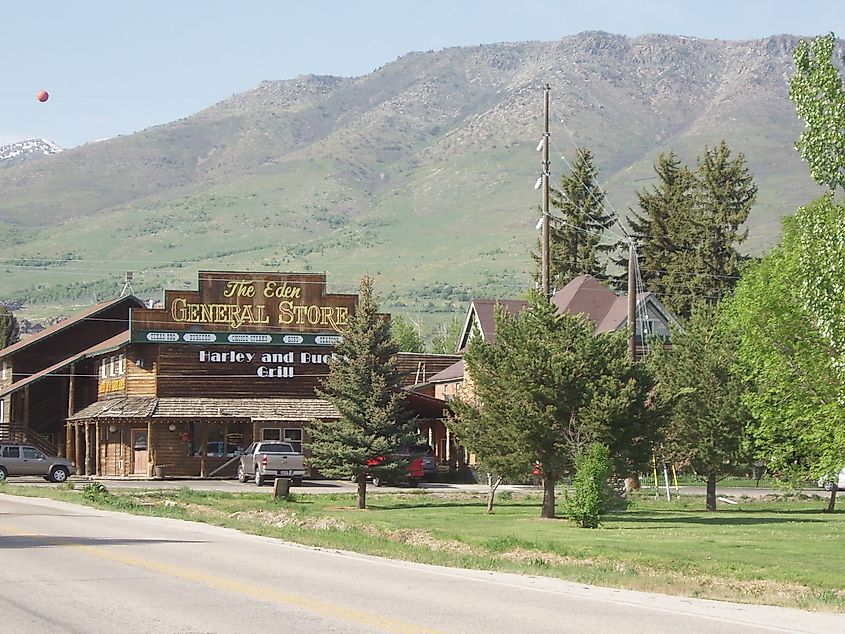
pixel 419 173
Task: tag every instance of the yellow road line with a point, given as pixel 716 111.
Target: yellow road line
pixel 324 608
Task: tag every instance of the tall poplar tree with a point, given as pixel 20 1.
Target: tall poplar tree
pixel 9 332
pixel 577 234
pixel 818 92
pixel 363 385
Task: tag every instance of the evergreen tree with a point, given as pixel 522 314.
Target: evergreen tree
pixel 665 212
pixel 362 385
pixel 688 228
pixel 706 427
pixel 548 388
pixel 9 332
pixel 578 226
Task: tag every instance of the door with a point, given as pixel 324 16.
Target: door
pixel 139 451
pixel 34 462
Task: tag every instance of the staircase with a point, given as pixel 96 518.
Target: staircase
pixel 15 432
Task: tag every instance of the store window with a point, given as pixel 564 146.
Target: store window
pixel 104 369
pixel 271 433
pixel 293 435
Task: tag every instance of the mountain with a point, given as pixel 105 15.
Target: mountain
pixel 419 173
pixel 28 150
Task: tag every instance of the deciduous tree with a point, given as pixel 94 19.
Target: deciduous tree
pixel 9 332
pixel 784 310
pixel 817 91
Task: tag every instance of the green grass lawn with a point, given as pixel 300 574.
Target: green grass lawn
pixel 784 551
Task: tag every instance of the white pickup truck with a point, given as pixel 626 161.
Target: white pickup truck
pixel 264 461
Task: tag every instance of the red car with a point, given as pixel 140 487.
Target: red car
pixel 413 474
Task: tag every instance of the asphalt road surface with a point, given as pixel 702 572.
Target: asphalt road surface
pixel 68 568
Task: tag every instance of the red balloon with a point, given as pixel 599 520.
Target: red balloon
pixel 42 96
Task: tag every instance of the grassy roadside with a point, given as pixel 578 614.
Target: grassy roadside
pixel 782 551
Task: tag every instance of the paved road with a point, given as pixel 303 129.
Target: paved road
pixel 342 486
pixel 70 568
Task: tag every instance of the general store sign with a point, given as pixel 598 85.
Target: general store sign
pixel 276 305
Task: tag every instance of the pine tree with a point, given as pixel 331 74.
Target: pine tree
pixel 9 332
pixel 546 389
pixel 362 385
pixel 664 211
pixel 706 430
pixel 688 228
pixel 577 244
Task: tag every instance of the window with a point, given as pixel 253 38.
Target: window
pixel 103 371
pixel 11 452
pixel 112 371
pixel 4 371
pixel 293 435
pixel 121 365
pixel 271 433
pixel 31 453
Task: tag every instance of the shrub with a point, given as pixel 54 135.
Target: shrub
pixel 591 495
pixel 95 492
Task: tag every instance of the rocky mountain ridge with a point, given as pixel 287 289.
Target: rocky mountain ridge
pixel 420 171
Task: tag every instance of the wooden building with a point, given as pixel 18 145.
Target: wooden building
pixel 181 390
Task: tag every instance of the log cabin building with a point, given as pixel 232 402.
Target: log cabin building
pixel 125 390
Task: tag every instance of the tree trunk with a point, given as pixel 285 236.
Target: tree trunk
pixel 362 491
pixel 491 490
pixel 831 503
pixel 548 498
pixel 711 491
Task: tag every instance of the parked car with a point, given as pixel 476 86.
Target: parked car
pixel 411 476
pixel 429 462
pixel 25 460
pixel 831 481
pixel 265 460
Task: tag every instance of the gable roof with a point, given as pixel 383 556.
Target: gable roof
pixel 73 320
pixel 454 372
pixel 114 343
pixel 482 313
pixel 584 295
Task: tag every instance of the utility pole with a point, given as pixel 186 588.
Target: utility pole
pixel 545 257
pixel 632 300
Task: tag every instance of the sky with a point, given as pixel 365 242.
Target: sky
pixel 116 68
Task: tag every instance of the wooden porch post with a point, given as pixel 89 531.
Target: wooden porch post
pixel 77 445
pixel 204 451
pixel 71 388
pixel 97 445
pixel 150 448
pixel 88 449
pixel 69 440
pixel 26 412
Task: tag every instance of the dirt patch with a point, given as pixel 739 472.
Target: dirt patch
pixel 424 539
pixel 281 519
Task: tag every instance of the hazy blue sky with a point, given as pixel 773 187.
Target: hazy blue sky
pixel 116 67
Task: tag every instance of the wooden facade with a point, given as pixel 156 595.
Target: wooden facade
pixel 181 390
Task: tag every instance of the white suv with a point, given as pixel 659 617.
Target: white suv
pixel 829 482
